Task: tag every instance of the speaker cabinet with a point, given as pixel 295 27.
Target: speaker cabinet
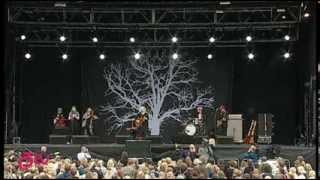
pixel 265 124
pixel 58 139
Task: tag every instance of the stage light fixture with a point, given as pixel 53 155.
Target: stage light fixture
pixel 174 39
pixel 95 39
pixel 174 56
pixel 284 17
pixel 132 39
pixel 249 38
pixel 23 37
pixel 212 39
pixel 137 56
pixel 62 38
pixel 209 56
pixel 102 56
pixel 64 56
pixel 250 56
pixel 306 15
pixel 286 55
pixel 27 55
pixel 287 37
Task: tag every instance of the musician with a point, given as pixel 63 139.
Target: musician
pixel 74 118
pixel 140 124
pixel 200 119
pixel 88 121
pixel 60 121
pixel 221 117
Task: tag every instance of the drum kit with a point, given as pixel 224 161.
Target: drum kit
pixel 193 127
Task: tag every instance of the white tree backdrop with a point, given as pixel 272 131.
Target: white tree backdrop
pixel 166 85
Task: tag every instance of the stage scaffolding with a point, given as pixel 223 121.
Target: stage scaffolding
pixel 155 22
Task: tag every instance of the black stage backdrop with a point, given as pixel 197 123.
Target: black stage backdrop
pixel 268 85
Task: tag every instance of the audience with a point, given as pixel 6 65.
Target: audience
pixel 84 154
pixel 189 166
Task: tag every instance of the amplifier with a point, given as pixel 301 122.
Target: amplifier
pixel 264 139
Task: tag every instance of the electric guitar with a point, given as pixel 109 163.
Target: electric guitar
pixel 250 136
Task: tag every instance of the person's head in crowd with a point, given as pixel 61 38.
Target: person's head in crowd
pixel 124 158
pixel 162 175
pixel 312 174
pixel 110 164
pixel 264 159
pixel 246 176
pixel 265 168
pixel 299 162
pixel 170 175
pixel 43 149
pixel 192 148
pixel 237 174
pixel 188 161
pixel 59 111
pixel 301 172
pixel 308 167
pixel 252 148
pixel 73 109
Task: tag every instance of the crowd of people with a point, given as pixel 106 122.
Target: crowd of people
pixel 191 164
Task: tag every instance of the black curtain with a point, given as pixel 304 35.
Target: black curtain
pixel 268 85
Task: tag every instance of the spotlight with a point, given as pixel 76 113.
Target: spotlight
pixel 174 56
pixel 209 56
pixel 64 56
pixel 132 39
pixel 287 37
pixel 137 56
pixel 23 37
pixel 102 56
pixel 250 56
pixel 27 55
pixel 286 55
pixel 62 38
pixel 174 39
pixel 284 17
pixel 212 40
pixel 94 39
pixel 248 38
pixel 306 15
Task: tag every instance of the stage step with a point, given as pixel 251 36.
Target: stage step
pixel 224 140
pixel 76 139
pixel 121 139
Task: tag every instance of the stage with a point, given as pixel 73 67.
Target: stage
pixel 113 150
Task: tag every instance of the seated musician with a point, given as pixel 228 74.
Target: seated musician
pixel 88 122
pixel 140 124
pixel 60 121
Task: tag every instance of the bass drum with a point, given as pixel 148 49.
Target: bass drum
pixel 190 130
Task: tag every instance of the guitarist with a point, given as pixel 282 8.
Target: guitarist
pixel 221 117
pixel 140 124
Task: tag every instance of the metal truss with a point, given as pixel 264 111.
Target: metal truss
pixel 154 23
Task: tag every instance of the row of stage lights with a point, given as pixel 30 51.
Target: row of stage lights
pixel 174 39
pixel 137 56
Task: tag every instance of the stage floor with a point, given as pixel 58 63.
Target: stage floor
pixel 223 151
